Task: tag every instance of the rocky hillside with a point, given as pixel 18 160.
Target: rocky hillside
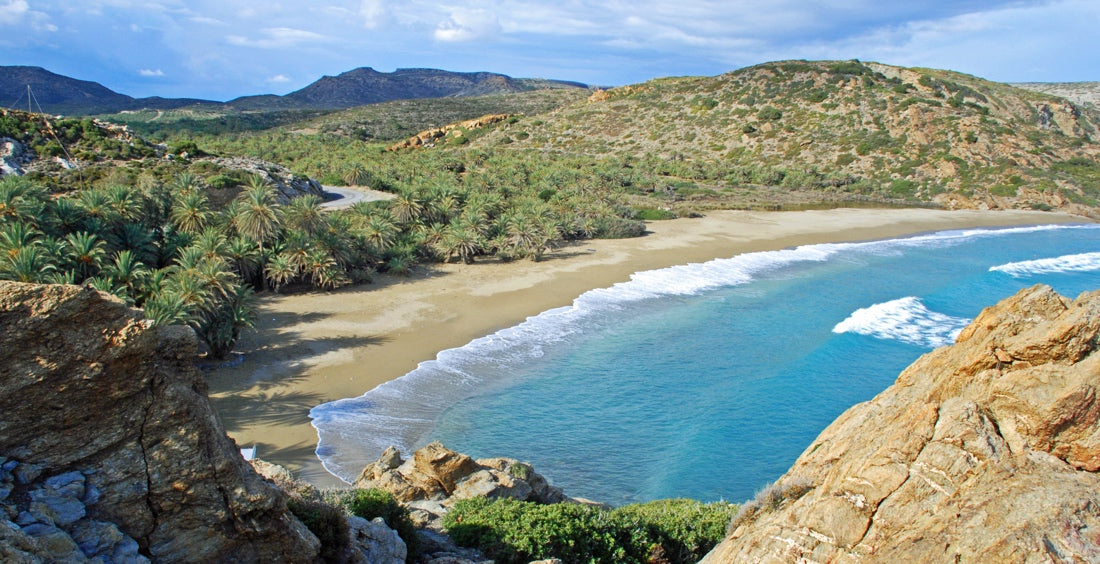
pixel 845 127
pixel 109 448
pixel 984 451
pixel 1085 93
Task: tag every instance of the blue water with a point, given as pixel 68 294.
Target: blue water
pixel 708 380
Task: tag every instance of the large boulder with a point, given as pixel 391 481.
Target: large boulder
pixel 436 473
pixel 984 451
pixel 96 400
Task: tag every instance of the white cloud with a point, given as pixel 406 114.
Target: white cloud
pixel 373 13
pixel 278 79
pixel 151 72
pixel 468 25
pixel 277 38
pixel 12 11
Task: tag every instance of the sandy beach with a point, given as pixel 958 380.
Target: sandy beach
pixel 308 349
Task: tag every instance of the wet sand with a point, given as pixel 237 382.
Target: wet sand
pixel 312 348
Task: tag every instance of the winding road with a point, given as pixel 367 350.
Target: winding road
pixel 337 197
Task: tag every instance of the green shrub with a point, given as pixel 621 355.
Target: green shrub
pixel 1003 190
pixel 769 113
pixel 372 503
pixel 326 522
pixel 845 159
pixel 654 214
pixel 512 531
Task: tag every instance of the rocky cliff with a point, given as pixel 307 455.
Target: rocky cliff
pixel 105 426
pixel 984 451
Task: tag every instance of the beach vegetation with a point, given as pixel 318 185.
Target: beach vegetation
pixel 507 530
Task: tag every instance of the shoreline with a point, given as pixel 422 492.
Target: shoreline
pixel 308 349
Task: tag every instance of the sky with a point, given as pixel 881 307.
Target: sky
pixel 222 49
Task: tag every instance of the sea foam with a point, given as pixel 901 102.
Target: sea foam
pixel 1084 262
pixel 353 432
pixel 905 319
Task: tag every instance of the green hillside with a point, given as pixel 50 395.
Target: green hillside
pixel 839 128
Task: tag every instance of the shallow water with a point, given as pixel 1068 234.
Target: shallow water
pixel 706 380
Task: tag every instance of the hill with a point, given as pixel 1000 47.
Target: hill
pixel 1086 93
pixel 367 86
pixel 837 128
pixel 57 94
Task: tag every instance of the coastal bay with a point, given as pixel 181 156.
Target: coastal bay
pixel 312 348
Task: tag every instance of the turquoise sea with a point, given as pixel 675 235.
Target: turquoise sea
pixel 705 380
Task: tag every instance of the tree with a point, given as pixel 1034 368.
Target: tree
pixel 279 271
pixel 84 253
pixel 258 217
pixel 304 213
pixel 405 208
pixel 190 212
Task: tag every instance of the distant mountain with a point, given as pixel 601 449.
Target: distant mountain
pixel 57 94
pixel 365 85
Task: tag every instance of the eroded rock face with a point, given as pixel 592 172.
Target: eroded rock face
pixel 89 386
pixel 436 473
pixel 287 184
pixel 984 451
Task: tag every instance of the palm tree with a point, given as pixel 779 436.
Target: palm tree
pixel 279 271
pixel 190 212
pixel 123 203
pixel 358 175
pixel 65 215
pixel 137 239
pixel 405 208
pixel 20 200
pixel 244 258
pixel 27 264
pixel 221 329
pixel 258 217
pixel 85 252
pixel 323 270
pixel 379 232
pixel 304 213
pixel 128 272
pixel 15 236
pixel 212 243
pixel 461 241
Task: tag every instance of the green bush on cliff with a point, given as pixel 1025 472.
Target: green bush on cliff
pixel 372 503
pixel 513 531
pixel 326 522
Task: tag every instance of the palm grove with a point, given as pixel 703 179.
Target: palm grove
pixel 162 245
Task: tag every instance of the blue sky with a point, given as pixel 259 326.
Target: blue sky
pixel 221 49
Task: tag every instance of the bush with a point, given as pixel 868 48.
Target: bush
pixel 515 531
pixel 614 227
pixel 770 113
pixel 652 214
pixel 326 522
pixel 372 503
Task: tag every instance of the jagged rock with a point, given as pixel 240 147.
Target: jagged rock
pixel 13 156
pixel 373 542
pixel 88 384
pixel 53 544
pixel 429 136
pixel 287 184
pixel 984 451
pixel 436 473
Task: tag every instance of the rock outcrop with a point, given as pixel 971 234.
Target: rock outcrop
pixel 429 136
pixel 14 156
pixel 436 473
pixel 113 418
pixel 984 451
pixel 287 184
